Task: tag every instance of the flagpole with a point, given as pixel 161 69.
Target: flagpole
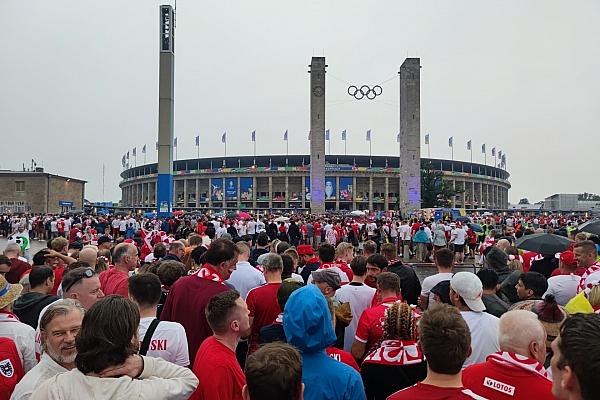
pixel 345 147
pixel 471 154
pixel 254 161
pixel 370 160
pixel 485 158
pixel 428 150
pixel 287 148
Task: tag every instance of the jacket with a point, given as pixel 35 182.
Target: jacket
pixel 28 307
pixel 160 379
pixel 307 326
pixel 410 286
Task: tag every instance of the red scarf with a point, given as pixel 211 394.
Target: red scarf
pixel 207 272
pixel 519 361
pixel 593 268
pixel 6 316
pixel 396 352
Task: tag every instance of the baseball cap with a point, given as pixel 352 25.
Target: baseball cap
pixel 104 239
pixel 468 286
pixel 567 257
pixel 305 249
pixel 327 276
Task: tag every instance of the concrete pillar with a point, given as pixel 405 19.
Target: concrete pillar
pixel 454 197
pixel 410 136
pixel 354 192
pixel 197 193
pixel 239 197
pixel 303 195
pixel 210 202
pixel 185 193
pixel 386 204
pixel 480 195
pixel 254 191
pixel 148 198
pixel 271 191
pixel 370 193
pixel 317 135
pixel 287 192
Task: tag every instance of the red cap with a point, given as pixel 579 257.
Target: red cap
pixel 568 258
pixel 305 249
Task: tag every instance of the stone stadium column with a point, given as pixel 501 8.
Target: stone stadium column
pixel 317 135
pixel 410 136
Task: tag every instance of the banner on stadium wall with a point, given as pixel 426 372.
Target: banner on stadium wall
pixel 247 188
pixel 231 185
pixel 330 193
pixel 307 189
pixel 216 189
pixel 346 188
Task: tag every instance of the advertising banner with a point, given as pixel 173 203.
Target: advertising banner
pixel 216 189
pixel 330 193
pixel 307 190
pixel 246 188
pixel 346 188
pixel 231 189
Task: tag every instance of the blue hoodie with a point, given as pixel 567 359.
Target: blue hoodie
pixel 307 325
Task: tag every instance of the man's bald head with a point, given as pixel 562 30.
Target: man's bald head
pixel 12 250
pixel 88 255
pixel 503 244
pixel 522 333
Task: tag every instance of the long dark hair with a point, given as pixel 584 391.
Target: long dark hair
pixel 107 334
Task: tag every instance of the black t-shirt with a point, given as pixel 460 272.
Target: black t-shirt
pixel 383 380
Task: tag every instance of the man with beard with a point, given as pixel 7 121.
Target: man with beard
pixel 59 326
pixel 216 365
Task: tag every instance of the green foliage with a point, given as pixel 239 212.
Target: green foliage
pixel 524 201
pixel 435 192
pixel 588 197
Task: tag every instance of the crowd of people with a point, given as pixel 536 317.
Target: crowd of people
pixel 313 307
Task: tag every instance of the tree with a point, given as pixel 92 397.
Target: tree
pixel 524 201
pixel 588 197
pixel 435 192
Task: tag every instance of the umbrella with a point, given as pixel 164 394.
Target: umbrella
pixel 592 226
pixel 178 212
pixel 543 243
pixel 282 219
pixel 475 227
pixel 231 215
pixel 463 219
pixel 357 213
pixel 123 213
pixel 244 215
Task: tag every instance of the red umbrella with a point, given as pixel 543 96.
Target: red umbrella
pixel 178 212
pixel 244 215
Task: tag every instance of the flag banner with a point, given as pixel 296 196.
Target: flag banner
pixel 224 137
pixel 254 136
pixel 427 138
pixel 330 190
pixel 326 134
pixel 134 152
pixel 369 135
pixel 156 145
pixel 398 138
pixel 483 148
pixel 231 188
pixel 144 149
pixel 451 141
pixel 246 188
pixel 175 142
pixel 285 135
pixel 123 160
pixel 197 140
pixel 469 145
pixel 494 151
pixel 500 154
pixel 344 134
pixel 128 155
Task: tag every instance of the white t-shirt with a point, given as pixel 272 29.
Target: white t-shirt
pixel 405 232
pixel 251 227
pixel 431 281
pixel 484 335
pixel 168 342
pixel 563 287
pixel 359 297
pixel 459 235
pixel 122 225
pixel 245 277
pixel 53 226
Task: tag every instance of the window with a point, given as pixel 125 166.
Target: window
pixel 19 186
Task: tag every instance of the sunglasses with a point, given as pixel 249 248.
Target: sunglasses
pixel 86 273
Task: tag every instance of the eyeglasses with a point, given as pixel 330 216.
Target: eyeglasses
pixel 86 273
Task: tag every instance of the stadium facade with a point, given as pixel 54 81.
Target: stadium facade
pixel 280 182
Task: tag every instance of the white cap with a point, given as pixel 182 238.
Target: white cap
pixel 468 286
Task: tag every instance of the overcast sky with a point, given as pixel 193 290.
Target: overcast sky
pixel 79 82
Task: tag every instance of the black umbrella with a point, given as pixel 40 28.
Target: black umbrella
pixel 592 226
pixel 543 243
pixel 463 219
pixel 475 227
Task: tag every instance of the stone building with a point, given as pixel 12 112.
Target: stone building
pixel 39 192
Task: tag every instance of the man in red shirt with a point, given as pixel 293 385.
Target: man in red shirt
pixel 18 267
pixel 11 367
pixel 517 370
pixel 446 343
pixel 115 280
pixel 262 300
pixel 216 365
pixel 370 328
pixel 189 295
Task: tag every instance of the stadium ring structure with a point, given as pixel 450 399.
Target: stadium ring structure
pixel 280 182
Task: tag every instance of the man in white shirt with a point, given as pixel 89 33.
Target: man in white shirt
pixel 465 294
pixel 245 277
pixel 162 339
pixel 220 230
pixel 252 230
pixel 444 260
pixel 405 238
pixel 458 237
pixel 358 295
pixel 58 326
pixel 564 286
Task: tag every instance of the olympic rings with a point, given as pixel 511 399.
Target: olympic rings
pixel 365 91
